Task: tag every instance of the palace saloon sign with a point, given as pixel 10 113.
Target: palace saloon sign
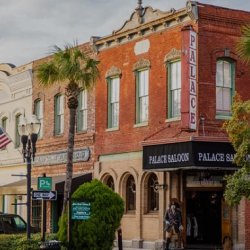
pixel 191 154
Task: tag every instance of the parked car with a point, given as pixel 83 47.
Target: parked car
pixel 14 224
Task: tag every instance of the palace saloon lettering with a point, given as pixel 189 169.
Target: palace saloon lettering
pixel 215 157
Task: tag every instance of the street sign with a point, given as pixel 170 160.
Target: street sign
pixel 44 195
pixel 80 210
pixel 44 183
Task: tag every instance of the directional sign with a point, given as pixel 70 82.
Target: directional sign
pixel 44 195
pixel 80 210
pixel 44 183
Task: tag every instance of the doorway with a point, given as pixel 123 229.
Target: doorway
pixel 203 213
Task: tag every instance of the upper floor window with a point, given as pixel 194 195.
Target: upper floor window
pixel 82 111
pixel 39 115
pixel 224 86
pixel 4 122
pixel 174 86
pixel 142 96
pixel 141 70
pixel 59 114
pixel 114 100
pixel 17 136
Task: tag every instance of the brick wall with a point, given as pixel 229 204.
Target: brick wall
pixel 123 56
pixel 247 225
pixel 52 143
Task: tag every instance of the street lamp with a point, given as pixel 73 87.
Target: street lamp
pixel 29 132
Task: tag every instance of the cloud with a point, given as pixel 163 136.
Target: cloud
pixel 29 27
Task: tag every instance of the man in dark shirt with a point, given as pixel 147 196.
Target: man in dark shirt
pixel 174 226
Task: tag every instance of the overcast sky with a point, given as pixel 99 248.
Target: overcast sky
pixel 29 27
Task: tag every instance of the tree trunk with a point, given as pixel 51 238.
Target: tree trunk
pixel 69 168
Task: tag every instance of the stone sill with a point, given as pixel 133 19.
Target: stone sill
pixel 112 129
pixel 173 119
pixel 142 124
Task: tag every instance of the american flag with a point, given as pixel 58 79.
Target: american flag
pixel 4 139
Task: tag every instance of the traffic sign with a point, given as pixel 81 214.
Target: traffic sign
pixel 80 210
pixel 44 183
pixel 44 195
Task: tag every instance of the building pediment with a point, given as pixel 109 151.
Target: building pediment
pixel 148 15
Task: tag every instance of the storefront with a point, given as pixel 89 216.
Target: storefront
pixel 196 171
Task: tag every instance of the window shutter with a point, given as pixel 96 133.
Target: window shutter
pixel 56 115
pixel 137 97
pixel 3 207
pixel 109 103
pixel 79 122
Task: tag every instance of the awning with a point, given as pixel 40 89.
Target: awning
pixel 20 187
pixel 189 155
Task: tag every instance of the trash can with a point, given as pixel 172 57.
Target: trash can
pixel 53 244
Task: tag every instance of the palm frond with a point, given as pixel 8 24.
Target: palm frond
pixel 69 63
pixel 47 74
pixel 243 44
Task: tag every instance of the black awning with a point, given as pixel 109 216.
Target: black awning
pixel 189 155
pixel 76 182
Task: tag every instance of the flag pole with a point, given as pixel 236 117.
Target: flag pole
pixel 11 140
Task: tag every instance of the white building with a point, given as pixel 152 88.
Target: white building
pixel 15 101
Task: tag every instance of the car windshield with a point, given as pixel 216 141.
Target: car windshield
pixel 9 222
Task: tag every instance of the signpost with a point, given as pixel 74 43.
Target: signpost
pixel 44 195
pixel 44 183
pixel 80 210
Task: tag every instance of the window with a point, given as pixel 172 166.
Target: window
pixel 153 193
pixel 82 111
pixel 39 115
pixel 174 86
pixel 142 96
pixel 36 213
pixel 110 183
pixel 17 137
pixel 131 193
pixel 114 99
pixel 19 223
pixel 224 86
pixel 59 114
pixel 4 122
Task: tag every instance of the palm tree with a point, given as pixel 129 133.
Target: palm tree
pixel 69 64
pixel 243 44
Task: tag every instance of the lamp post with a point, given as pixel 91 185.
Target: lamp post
pixel 29 132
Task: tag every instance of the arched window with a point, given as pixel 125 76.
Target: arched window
pixel 153 193
pixel 131 194
pixel 224 86
pixel 110 183
pixel 39 115
pixel 3 124
pixel 17 136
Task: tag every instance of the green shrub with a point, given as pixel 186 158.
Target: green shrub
pixel 98 232
pixel 20 241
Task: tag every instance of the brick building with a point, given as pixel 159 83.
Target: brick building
pixel 166 87
pixel 50 106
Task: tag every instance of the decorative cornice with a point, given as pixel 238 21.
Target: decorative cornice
pixel 172 55
pixel 192 10
pixel 114 71
pixel 154 21
pixel 142 64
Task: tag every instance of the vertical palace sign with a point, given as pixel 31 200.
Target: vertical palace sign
pixel 189 79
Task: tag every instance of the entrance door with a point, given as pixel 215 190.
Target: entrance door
pixel 203 211
pixel 225 220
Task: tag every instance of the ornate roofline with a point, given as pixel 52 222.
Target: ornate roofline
pixel 147 22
